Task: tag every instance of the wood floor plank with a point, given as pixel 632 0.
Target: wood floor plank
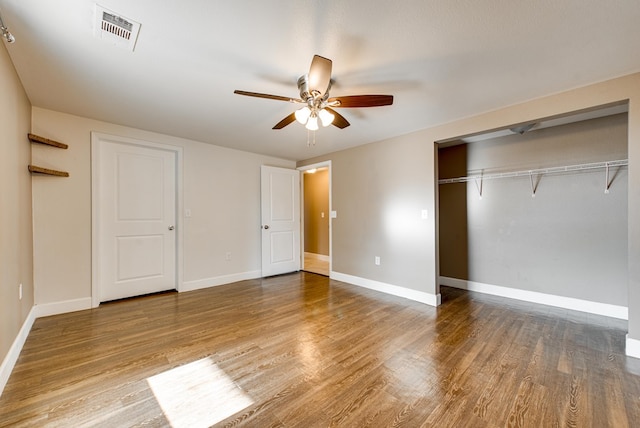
pixel 302 350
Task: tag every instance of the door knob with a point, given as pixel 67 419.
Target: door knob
pixel 171 227
pixel 266 226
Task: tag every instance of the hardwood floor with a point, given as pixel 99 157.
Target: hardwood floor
pixel 303 351
pixel 314 264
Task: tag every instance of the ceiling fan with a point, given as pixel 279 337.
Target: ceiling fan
pixel 314 94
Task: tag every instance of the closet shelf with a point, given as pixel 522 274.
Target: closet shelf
pixel 40 170
pixel 531 172
pixel 41 140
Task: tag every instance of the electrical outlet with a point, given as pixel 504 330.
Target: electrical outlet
pixel 20 292
pixel 425 214
pixel 227 257
pixel 377 261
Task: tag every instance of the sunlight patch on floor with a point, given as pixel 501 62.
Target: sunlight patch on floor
pixel 198 394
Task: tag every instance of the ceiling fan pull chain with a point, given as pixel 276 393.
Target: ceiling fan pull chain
pixel 309 141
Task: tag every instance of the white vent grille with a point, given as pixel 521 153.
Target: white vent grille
pixel 116 25
pixel 115 28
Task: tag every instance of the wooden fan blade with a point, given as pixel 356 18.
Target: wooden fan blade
pixel 339 120
pixel 361 101
pixel 286 121
pixel 268 96
pixel 320 74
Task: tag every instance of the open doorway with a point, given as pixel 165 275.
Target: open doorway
pixel 316 208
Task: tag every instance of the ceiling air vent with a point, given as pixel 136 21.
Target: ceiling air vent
pixel 115 28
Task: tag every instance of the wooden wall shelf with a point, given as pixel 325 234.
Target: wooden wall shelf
pixel 40 170
pixel 41 140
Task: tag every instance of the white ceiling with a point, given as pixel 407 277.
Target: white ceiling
pixel 441 59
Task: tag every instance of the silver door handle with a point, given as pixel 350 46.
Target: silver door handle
pixel 266 226
pixel 171 227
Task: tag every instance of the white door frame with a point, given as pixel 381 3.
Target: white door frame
pixel 302 169
pixel 96 139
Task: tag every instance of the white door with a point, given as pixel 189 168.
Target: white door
pixel 280 220
pixel 136 205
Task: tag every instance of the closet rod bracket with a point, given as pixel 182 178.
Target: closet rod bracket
pixel 478 181
pixel 533 186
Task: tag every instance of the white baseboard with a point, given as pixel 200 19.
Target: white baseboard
pixel 407 293
pixel 632 348
pixel 14 351
pixel 315 256
pixel 55 308
pixel 613 311
pixel 219 280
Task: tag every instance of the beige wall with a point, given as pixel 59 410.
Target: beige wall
pixel 221 188
pixel 316 212
pixel 16 263
pixel 378 190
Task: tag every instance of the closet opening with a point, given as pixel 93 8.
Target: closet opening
pixel 539 212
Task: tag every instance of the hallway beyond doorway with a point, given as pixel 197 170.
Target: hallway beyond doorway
pixel 316 263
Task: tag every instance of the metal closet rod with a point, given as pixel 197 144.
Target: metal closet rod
pixel 530 172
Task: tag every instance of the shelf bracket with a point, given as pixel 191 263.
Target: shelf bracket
pixel 478 182
pixel 534 186
pixel 610 176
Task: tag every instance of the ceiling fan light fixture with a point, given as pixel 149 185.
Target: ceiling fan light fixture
pixel 326 117
pixel 314 90
pixel 312 123
pixel 303 114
